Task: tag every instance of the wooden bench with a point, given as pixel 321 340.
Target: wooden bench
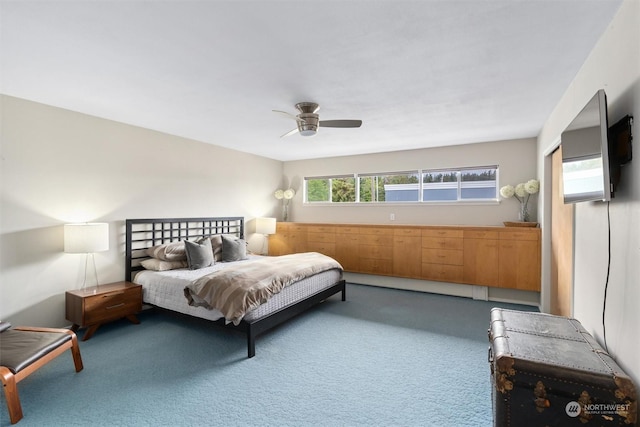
pixel 24 350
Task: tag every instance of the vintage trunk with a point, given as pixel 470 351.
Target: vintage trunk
pixel 549 371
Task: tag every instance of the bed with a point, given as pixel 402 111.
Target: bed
pixel 166 289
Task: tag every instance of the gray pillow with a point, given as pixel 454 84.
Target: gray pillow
pixel 233 249
pixel 199 255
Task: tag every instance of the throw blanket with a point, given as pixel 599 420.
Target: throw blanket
pixel 238 289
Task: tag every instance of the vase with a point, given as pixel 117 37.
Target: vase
pixel 285 212
pixel 524 212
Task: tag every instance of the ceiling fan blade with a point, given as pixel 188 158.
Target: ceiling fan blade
pixel 340 123
pixel 291 132
pixel 289 115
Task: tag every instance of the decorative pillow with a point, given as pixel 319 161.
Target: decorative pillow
pixel 233 249
pixel 216 246
pixel 173 251
pixel 199 255
pixel 159 265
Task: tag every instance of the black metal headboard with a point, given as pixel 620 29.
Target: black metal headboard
pixel 145 233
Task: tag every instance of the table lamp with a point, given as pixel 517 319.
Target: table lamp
pixel 87 238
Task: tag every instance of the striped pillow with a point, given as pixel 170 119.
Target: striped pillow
pixel 173 251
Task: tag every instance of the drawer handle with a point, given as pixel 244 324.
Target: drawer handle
pixel 115 306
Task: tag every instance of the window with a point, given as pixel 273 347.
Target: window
pixel 478 184
pixel 440 185
pixel 341 189
pixel 390 187
pixel 433 185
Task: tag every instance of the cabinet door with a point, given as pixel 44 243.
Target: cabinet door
pixel 375 250
pixel 407 256
pixel 481 262
pixel 375 266
pixel 321 239
pixel 297 239
pixel 520 264
pixel 347 250
pixel 347 247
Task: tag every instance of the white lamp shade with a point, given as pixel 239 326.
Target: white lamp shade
pixel 86 238
pixel 266 225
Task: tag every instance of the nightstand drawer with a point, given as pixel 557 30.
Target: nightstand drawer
pixel 111 306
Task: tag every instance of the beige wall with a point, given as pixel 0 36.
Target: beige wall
pixel 613 65
pixel 516 160
pixel 59 166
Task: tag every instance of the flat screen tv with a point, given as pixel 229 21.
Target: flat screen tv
pixel 585 155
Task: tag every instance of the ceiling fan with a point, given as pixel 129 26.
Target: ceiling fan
pixel 308 120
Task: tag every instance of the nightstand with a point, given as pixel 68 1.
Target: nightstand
pixel 91 307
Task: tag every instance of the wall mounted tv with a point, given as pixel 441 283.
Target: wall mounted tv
pixel 585 154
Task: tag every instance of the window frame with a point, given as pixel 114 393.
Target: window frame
pixel 420 173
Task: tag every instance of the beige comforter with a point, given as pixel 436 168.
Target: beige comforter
pixel 238 289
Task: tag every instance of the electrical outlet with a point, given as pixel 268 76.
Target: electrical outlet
pixel 392 217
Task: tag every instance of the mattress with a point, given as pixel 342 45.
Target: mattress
pixel 165 289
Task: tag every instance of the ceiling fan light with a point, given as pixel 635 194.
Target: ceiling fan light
pixel 308 132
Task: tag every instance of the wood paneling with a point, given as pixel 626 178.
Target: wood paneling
pixel 488 256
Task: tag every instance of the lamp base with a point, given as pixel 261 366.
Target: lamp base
pixel 95 272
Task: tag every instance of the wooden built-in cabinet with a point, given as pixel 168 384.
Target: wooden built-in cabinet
pixel 506 257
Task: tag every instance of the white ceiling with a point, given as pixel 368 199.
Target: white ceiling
pixel 418 73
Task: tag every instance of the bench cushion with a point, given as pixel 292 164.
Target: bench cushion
pixel 19 349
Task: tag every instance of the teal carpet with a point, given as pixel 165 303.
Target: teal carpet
pixel 382 358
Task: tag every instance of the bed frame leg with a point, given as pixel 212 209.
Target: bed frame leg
pixel 344 292
pixel 251 344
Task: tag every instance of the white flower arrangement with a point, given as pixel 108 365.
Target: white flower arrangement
pixel 522 192
pixel 288 194
pixel 285 196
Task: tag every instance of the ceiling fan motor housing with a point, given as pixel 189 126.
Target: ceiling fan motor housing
pixel 308 107
pixel 310 125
